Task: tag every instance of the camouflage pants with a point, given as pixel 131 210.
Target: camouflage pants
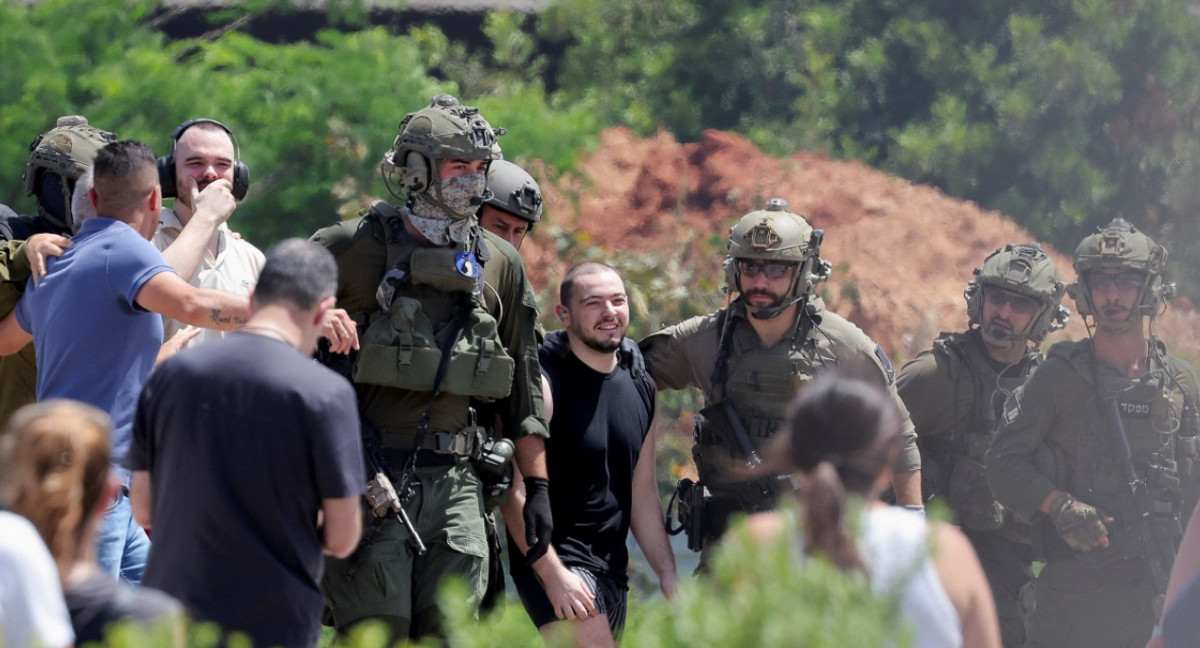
pixel 385 579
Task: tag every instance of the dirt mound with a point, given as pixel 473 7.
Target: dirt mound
pixel 902 253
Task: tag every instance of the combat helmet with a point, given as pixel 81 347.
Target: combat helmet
pixel 56 159
pixel 443 130
pixel 511 189
pixel 1026 270
pixel 774 234
pixel 1121 246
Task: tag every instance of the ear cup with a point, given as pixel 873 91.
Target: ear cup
pixel 166 175
pixel 241 179
pixel 166 163
pixel 415 172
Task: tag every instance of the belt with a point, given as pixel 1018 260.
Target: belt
pixel 460 444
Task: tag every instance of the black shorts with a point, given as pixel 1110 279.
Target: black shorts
pixel 610 597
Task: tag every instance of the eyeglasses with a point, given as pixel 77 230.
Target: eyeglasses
pixel 771 270
pixel 1019 304
pixel 1125 281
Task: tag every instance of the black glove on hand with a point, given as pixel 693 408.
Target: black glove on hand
pixel 539 523
pixel 1079 524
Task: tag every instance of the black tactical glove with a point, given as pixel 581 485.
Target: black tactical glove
pixel 539 523
pixel 1079 524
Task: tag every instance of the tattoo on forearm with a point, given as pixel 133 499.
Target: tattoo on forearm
pixel 218 317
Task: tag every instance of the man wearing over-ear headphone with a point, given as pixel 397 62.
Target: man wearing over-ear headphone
pixel 955 393
pixel 204 174
pixel 1100 450
pixel 447 319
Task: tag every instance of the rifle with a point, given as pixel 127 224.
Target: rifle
pixel 385 499
pixel 1154 526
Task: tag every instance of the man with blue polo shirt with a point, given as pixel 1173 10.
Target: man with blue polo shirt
pixel 95 320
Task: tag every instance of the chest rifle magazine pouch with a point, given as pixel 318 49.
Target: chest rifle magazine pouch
pixel 437 267
pixel 399 350
pixel 480 366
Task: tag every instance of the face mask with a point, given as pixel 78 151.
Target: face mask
pixel 444 213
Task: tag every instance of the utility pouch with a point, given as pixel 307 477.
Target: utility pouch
pixel 399 350
pixel 479 364
pixel 495 467
pixel 969 496
pixel 436 267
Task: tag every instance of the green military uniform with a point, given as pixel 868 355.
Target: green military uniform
pixel 18 372
pixel 1055 436
pixel 955 393
pixel 760 383
pixel 385 579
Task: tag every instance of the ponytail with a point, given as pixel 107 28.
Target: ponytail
pixel 825 532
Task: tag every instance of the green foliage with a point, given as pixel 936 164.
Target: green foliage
pixel 1062 114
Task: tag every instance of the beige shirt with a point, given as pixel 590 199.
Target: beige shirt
pixel 234 269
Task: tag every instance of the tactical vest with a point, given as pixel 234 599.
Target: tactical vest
pixel 431 301
pixel 978 398
pixel 759 384
pixel 1160 423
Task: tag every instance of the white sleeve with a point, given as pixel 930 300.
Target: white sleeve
pixel 32 609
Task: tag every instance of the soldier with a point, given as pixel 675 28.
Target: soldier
pixel 955 392
pixel 56 159
pixel 749 360
pixel 1099 449
pixel 448 319
pixel 513 204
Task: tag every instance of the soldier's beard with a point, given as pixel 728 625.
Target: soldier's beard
pixel 443 213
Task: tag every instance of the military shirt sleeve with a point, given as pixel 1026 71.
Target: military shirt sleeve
pixel 1028 419
pixel 672 353
pixel 14 274
pixel 523 410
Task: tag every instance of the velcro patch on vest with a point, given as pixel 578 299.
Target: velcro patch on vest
pixel 1133 409
pixel 886 363
pixel 1012 407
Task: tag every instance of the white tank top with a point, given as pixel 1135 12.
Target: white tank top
pixel 895 546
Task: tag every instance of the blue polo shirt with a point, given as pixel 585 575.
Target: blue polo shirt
pixel 94 343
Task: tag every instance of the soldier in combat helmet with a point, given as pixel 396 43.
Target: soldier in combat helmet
pixel 955 393
pixel 749 360
pixel 447 318
pixel 513 204
pixel 56 160
pixel 1099 450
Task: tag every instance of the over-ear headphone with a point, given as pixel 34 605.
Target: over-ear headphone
pixel 166 163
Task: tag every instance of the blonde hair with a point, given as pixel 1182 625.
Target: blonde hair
pixel 55 456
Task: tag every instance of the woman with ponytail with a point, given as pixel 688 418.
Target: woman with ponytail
pixel 839 441
pixel 56 474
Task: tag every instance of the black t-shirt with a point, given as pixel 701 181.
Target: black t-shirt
pixel 599 424
pixel 101 600
pixel 243 438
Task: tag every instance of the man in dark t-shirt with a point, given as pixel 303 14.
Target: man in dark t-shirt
pixel 601 461
pixel 248 459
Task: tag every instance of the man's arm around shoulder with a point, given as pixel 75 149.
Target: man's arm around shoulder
pixel 167 294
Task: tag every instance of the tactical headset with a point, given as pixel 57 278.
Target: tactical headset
pixel 166 163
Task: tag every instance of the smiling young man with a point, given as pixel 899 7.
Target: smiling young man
pixel 600 458
pixel 203 169
pixel 955 392
pixel 1100 420
pixel 750 359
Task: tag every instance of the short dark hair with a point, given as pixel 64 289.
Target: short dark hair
pixel 580 270
pixel 299 273
pixel 125 172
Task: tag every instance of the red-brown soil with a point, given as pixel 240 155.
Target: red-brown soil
pixel 902 253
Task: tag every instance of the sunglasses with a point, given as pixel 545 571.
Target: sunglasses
pixel 1019 304
pixel 1125 281
pixel 771 270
